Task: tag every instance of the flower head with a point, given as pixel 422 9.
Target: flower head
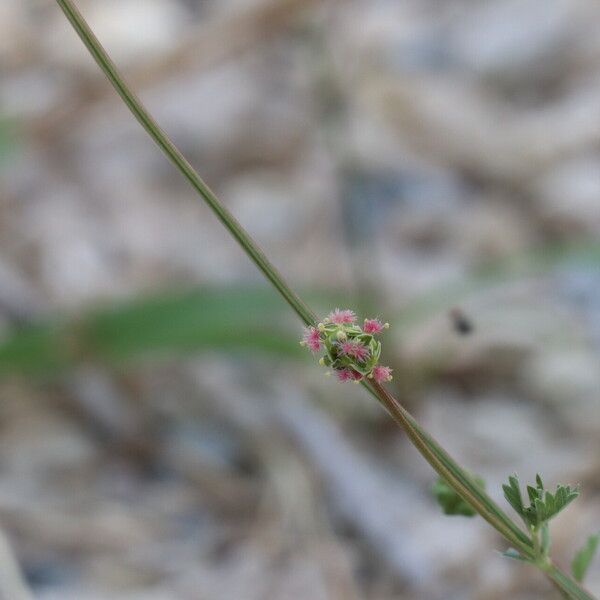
pixel 373 326
pixel 341 317
pixel 381 373
pixel 348 375
pixel 312 339
pixel 349 350
pixel 354 349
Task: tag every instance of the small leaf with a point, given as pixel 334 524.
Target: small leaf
pixel 533 493
pixel 584 557
pixel 530 517
pixel 539 509
pixel 553 504
pixel 543 504
pixel 512 493
pixel 450 501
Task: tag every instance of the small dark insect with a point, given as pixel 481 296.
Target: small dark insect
pixel 461 323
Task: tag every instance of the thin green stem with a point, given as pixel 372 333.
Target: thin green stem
pixel 566 584
pixel 456 477
pixel 438 458
pixel 176 157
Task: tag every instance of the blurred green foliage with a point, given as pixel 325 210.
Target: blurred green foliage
pixel 450 502
pixel 235 318
pixel 585 252
pixel 229 319
pixel 9 140
pixel 584 557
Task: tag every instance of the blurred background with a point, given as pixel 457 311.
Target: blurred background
pixel 162 435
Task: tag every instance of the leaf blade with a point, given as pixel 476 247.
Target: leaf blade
pixel 584 556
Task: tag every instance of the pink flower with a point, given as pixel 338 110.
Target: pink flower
pixel 340 317
pixel 354 349
pixel 373 326
pixel 348 375
pixel 344 374
pixel 312 338
pixel 381 373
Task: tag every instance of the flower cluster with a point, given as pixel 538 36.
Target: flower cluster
pixel 351 351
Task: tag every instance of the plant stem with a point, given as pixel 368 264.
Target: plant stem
pixel 567 585
pixel 166 145
pixel 462 483
pixel 535 538
pixel 425 444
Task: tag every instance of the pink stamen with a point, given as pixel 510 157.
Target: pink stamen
pixel 341 317
pixel 381 373
pixel 354 349
pixel 372 326
pixel 348 375
pixel 344 374
pixel 312 338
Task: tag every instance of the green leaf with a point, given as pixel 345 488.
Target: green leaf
pixel 553 504
pixel 512 493
pixel 450 501
pixel 227 319
pixel 543 504
pixel 533 494
pixel 584 557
